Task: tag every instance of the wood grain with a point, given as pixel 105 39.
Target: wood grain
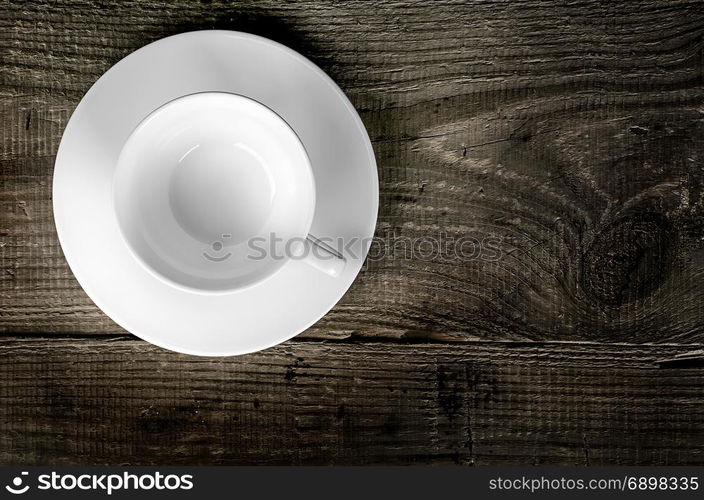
pixel 565 136
pixel 126 402
pixel 568 134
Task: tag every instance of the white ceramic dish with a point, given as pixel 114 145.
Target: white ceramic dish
pixel 143 208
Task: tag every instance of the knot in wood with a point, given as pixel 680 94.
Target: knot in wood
pixel 629 259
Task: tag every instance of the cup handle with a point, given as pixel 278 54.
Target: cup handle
pixel 322 256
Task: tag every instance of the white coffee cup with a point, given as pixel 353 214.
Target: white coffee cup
pixel 204 187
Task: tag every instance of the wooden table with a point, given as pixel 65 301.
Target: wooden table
pixel 570 134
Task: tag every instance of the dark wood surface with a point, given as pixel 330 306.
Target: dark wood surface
pixel 571 133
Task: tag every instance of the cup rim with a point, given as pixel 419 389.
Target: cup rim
pixel 166 279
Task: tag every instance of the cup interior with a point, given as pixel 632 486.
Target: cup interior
pixel 202 186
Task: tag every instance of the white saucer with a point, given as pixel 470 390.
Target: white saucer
pixel 246 320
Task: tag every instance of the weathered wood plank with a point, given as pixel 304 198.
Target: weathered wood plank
pixel 90 401
pixel 571 133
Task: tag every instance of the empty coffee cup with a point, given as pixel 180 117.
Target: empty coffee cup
pixel 214 192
